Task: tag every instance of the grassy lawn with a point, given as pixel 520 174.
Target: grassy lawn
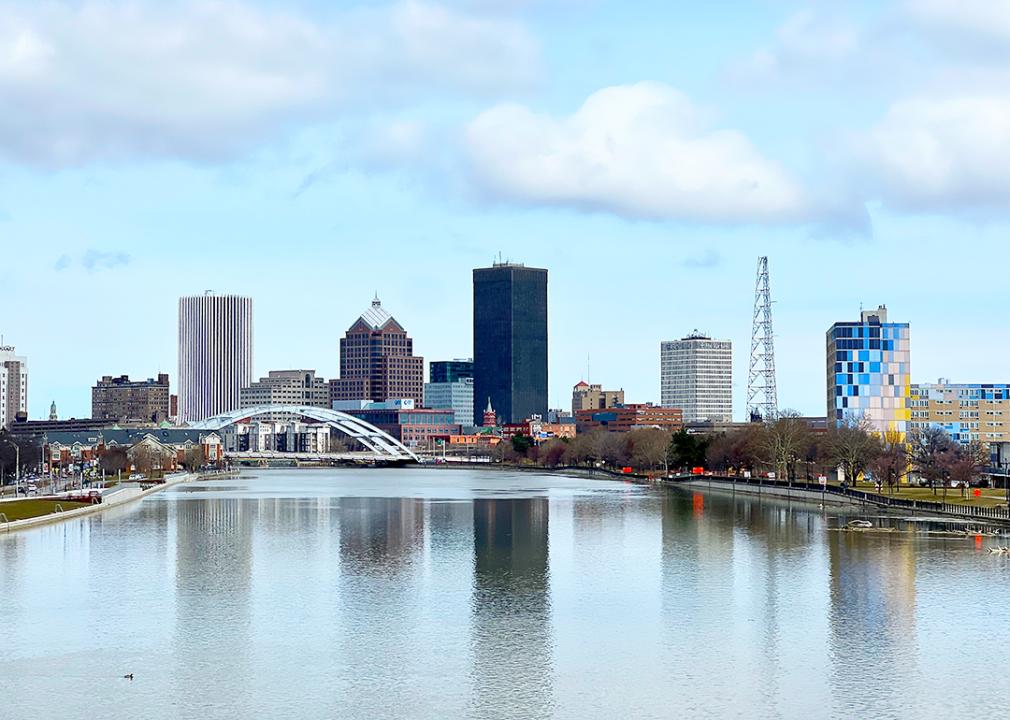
pixel 21 509
pixel 990 497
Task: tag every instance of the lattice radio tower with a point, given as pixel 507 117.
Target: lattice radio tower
pixel 762 395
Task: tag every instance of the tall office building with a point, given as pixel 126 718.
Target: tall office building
pixel 510 341
pixel 377 361
pixel 868 372
pixel 447 371
pixel 13 386
pixel 696 375
pixel 215 354
pixel 456 396
pixel 123 400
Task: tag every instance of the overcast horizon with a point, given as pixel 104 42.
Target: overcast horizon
pixel 311 156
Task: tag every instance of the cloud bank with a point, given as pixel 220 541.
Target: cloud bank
pixel 640 151
pixel 205 79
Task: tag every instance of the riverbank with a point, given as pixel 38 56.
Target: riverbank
pixel 833 495
pixel 122 495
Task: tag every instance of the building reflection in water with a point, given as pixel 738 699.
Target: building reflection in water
pixel 728 563
pixel 512 645
pixel 213 572
pixel 872 623
pixel 382 544
pixel 378 534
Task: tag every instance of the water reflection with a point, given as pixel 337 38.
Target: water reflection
pixel 512 673
pixel 361 594
pixel 213 569
pixel 872 620
pixel 380 534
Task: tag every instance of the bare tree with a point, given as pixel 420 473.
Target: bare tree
pixel 613 449
pixel 648 447
pixel 113 460
pixel 194 457
pixel 784 442
pixel 931 451
pixel 966 463
pixel 553 451
pixel 852 446
pixel 890 463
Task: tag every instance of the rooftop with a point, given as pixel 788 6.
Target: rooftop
pixel 376 316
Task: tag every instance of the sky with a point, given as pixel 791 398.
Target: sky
pixel 311 154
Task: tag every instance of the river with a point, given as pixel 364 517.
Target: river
pixel 423 593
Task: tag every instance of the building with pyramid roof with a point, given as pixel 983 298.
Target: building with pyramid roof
pixel 377 361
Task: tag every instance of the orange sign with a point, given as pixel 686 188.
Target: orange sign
pixel 978 493
pixel 697 471
pixel 626 470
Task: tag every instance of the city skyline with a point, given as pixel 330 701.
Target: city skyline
pixel 297 189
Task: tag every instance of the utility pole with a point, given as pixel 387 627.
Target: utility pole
pixel 762 393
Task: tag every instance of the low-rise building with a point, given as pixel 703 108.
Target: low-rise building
pixel 120 399
pixel 630 417
pixel 414 427
pixel 66 448
pixel 539 429
pixel 297 437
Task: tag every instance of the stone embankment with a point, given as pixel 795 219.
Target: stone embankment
pixel 114 497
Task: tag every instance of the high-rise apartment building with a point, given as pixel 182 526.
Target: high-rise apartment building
pixel 696 375
pixel 377 361
pixel 594 397
pixel 215 354
pixel 13 386
pixel 510 341
pixel 123 400
pixel 868 372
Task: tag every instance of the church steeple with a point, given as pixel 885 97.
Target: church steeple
pixel 490 417
pixel 52 412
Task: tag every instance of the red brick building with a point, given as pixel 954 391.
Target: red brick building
pixel 377 361
pixel 630 417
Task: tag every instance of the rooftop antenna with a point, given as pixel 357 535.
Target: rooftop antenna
pixel 762 393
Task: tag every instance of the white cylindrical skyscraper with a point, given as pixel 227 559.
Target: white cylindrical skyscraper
pixel 215 354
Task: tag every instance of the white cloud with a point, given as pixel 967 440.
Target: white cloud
pixel 204 79
pixel 639 150
pixel 942 153
pixel 807 42
pixel 93 260
pixel 979 18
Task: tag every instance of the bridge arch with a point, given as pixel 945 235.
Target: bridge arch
pixel 379 442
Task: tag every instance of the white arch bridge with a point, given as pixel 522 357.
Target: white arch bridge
pixel 381 445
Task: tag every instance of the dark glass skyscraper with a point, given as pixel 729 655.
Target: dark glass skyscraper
pixel 510 341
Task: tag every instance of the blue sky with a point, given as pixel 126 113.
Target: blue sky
pixel 311 154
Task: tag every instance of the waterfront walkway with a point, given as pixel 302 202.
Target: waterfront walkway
pixel 833 493
pixel 121 494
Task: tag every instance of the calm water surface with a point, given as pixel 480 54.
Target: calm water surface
pixel 480 594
